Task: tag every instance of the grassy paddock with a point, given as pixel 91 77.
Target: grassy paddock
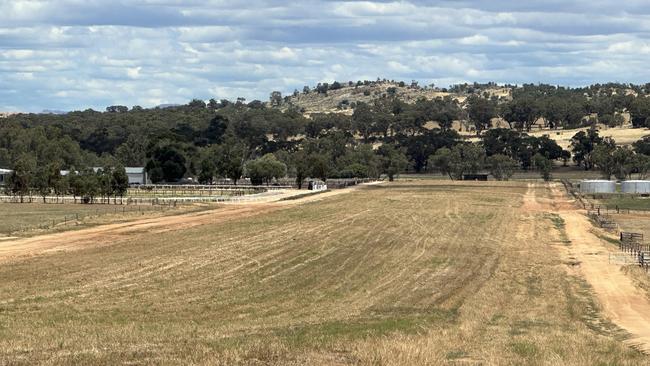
pixel 405 273
pixel 28 218
pixel 627 202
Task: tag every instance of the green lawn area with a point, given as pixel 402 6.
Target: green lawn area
pixel 627 202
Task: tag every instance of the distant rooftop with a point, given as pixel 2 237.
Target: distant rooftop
pixel 134 170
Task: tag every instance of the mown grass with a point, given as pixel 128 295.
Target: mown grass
pixel 402 274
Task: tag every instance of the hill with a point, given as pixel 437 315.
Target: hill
pixel 344 97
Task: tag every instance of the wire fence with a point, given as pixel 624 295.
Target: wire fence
pixel 590 202
pixel 72 218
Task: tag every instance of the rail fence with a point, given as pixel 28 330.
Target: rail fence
pixel 632 245
pixel 604 221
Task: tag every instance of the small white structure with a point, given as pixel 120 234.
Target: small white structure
pixel 598 186
pixel 636 186
pixel 317 186
pixel 137 175
pixel 4 175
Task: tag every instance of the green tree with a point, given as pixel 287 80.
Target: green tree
pixel 522 112
pixel 480 112
pixel 120 182
pixel 642 146
pixel 393 160
pixel 467 159
pixel 40 182
pixel 319 166
pixel 544 165
pixel 501 167
pixel 442 160
pixel 265 169
pixel 640 111
pixel 363 118
pixel 207 170
pixel 61 186
pixel 22 176
pixel 230 159
pixel 300 166
pixel 167 163
pixel 603 159
pixel 642 165
pixel 583 145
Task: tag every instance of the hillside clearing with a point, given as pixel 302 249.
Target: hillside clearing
pixel 406 273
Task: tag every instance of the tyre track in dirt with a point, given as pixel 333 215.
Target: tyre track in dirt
pixel 621 301
pixel 104 235
pixel 111 233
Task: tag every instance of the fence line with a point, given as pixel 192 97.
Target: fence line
pixel 588 205
pixel 76 218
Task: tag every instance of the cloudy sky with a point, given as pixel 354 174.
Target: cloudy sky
pixel 76 54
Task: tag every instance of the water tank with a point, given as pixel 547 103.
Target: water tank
pixel 598 186
pixel 636 186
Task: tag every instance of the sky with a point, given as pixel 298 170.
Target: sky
pixel 78 54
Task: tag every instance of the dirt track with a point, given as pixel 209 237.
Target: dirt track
pixel 622 302
pixel 15 248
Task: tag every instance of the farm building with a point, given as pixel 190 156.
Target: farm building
pixel 597 186
pixel 4 175
pixel 137 175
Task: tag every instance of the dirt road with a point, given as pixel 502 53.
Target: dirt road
pixel 621 301
pixel 16 248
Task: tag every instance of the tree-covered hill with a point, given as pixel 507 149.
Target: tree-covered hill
pixel 383 127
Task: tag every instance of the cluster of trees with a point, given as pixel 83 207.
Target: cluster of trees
pixel 28 180
pixel 558 107
pixel 590 151
pixel 224 139
pixel 501 153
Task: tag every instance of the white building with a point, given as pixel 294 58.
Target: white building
pixel 137 175
pixel 4 175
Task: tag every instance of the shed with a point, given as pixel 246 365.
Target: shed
pixel 4 175
pixel 137 175
pixel 636 186
pixel 481 177
pixel 598 186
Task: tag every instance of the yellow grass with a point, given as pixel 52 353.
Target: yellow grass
pixel 401 274
pixel 622 136
pixel 33 218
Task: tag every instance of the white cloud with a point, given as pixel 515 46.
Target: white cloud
pixel 477 39
pixel 74 54
pixel 133 72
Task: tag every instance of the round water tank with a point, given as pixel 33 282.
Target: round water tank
pixel 597 186
pixel 636 186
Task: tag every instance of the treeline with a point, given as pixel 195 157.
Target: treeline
pixel 224 139
pixel 503 151
pixel 28 180
pixel 558 107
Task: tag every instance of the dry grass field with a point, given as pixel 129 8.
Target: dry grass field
pixel 622 135
pixel 406 273
pixel 33 218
